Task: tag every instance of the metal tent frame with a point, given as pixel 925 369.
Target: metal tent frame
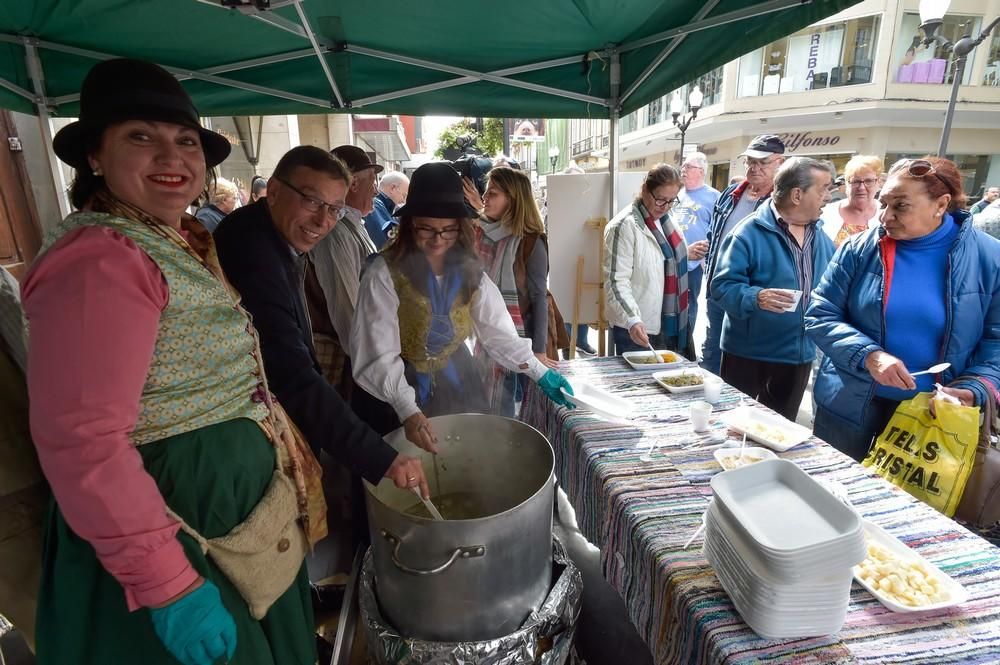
pixel 318 48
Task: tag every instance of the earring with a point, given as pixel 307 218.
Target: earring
pixel 97 172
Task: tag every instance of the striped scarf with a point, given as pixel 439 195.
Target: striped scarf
pixel 497 249
pixel 674 313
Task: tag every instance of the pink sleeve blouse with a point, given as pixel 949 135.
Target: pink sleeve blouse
pixel 93 303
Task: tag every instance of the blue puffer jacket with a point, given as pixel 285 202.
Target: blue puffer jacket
pixel 756 256
pixel 846 318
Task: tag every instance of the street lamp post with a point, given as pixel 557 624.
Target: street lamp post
pixel 683 122
pixel 553 158
pixel 931 17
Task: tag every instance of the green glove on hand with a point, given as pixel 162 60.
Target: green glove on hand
pixel 196 629
pixel 551 382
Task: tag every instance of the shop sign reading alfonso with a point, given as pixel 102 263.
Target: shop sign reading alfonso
pixel 795 140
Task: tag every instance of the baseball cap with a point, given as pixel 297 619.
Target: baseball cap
pixel 355 158
pixel 764 146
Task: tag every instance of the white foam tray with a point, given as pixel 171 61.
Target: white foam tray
pixel 630 356
pixel 599 402
pixel 745 418
pixel 693 371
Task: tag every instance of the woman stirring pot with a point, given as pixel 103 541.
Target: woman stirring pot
pixel 420 300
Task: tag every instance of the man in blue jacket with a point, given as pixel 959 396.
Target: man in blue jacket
pixel 767 267
pixel 763 156
pixel 392 190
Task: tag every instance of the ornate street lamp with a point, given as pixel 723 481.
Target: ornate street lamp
pixel 677 106
pixel 931 17
pixel 553 158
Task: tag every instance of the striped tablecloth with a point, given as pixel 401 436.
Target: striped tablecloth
pixel 641 512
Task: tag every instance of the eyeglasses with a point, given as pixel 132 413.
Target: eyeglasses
pixel 427 233
pixel 750 162
pixel 867 182
pixel 918 168
pixel 670 203
pixel 312 204
pixel 691 166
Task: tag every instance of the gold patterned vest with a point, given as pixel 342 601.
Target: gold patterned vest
pixel 415 322
pixel 203 370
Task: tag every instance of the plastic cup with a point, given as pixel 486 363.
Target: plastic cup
pixel 713 387
pixel 797 295
pixel 700 413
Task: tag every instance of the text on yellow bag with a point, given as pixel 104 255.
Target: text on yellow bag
pixel 931 458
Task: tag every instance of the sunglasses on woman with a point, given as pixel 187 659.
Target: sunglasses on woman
pixel 918 168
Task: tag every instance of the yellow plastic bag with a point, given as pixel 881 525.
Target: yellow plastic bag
pixel 931 458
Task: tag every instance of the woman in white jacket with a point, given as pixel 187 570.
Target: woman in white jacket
pixel 645 270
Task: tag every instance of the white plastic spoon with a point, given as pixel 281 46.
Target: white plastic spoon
pixel 934 369
pixel 655 354
pixel 428 504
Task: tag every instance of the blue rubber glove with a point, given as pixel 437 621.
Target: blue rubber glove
pixel 551 382
pixel 196 629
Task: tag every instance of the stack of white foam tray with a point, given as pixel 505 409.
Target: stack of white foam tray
pixel 783 548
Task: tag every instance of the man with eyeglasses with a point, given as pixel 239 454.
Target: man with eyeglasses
pixel 263 250
pixel 763 156
pixel 693 214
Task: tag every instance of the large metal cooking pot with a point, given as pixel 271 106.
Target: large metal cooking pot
pixel 466 579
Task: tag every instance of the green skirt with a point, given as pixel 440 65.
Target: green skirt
pixel 213 478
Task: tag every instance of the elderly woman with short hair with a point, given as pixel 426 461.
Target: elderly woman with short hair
pixel 858 211
pixel 222 199
pixel 922 288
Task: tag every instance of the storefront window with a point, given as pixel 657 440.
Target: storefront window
pixel 916 63
pixel 992 74
pixel 823 56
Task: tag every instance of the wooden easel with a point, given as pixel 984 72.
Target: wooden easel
pixel 602 325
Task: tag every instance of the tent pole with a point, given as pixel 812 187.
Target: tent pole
pixel 614 111
pixel 304 20
pixel 665 53
pixel 37 75
pixel 460 71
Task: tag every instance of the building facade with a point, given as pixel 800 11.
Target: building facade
pixel 858 82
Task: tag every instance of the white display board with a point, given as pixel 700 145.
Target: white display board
pixel 573 199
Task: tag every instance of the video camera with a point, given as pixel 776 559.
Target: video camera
pixel 475 168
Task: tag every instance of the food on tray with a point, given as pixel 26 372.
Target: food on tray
pixel 764 431
pixel 904 581
pixel 731 462
pixel 681 380
pixel 649 359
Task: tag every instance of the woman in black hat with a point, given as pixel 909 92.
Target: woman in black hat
pixel 420 300
pixel 149 406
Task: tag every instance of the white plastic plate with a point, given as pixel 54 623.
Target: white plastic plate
pixel 599 402
pixel 723 455
pixel 956 592
pixel 769 429
pixel 694 371
pixel 635 358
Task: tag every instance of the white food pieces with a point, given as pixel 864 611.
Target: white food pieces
pixel 907 582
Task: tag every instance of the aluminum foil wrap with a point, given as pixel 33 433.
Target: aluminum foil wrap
pixel 545 638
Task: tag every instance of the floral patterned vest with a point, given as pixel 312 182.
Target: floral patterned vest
pixel 203 370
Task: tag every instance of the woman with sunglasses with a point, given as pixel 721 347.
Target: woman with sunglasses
pixel 921 289
pixel 645 270
pixel 510 239
pixel 858 211
pixel 421 298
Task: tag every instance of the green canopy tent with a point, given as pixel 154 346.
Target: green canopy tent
pixel 541 58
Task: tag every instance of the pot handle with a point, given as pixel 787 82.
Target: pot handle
pixel 468 552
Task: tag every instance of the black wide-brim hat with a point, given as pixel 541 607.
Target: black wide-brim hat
pixel 123 89
pixel 435 191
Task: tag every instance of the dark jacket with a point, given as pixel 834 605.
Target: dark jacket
pixel 262 267
pixel 380 219
pixel 846 318
pixel 724 207
pixel 756 255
